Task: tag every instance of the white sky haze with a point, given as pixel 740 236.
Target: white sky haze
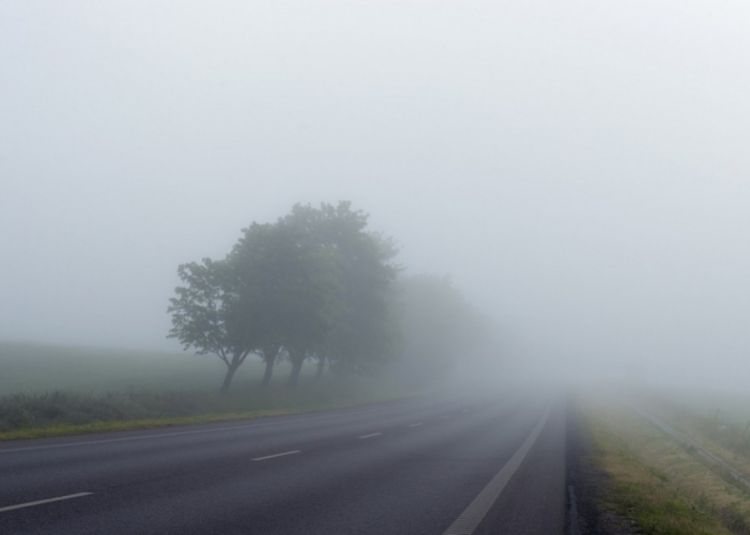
pixel 580 168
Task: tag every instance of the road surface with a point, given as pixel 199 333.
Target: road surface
pixel 480 464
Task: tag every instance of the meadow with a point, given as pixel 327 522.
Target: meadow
pixel 31 368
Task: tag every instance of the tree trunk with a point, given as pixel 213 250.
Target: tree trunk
pixel 297 360
pixel 269 370
pixel 228 378
pixel 321 368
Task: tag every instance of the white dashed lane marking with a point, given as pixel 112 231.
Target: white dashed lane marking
pixel 42 502
pixel 275 455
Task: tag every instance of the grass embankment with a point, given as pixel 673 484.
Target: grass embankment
pixel 62 391
pixel 656 483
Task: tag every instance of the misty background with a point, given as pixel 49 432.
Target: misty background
pixel 578 168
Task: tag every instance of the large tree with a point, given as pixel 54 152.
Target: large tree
pixel 361 331
pixel 288 292
pixel 205 315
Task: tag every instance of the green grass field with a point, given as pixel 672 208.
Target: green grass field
pixel 52 390
pixel 28 368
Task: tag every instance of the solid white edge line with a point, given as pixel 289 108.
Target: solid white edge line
pixel 273 456
pixel 369 436
pixel 42 502
pixel 469 520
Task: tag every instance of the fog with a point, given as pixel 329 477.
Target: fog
pixel 578 168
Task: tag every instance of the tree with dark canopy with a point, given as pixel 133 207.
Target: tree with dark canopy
pixel 362 331
pixel 288 290
pixel 204 315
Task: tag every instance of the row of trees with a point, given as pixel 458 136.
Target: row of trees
pixel 316 284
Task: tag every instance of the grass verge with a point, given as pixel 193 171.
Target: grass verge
pixel 656 483
pixel 24 416
pixel 64 429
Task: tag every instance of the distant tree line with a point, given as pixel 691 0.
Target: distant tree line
pixel 316 285
pixel 441 333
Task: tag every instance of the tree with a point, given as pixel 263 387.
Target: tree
pixel 254 264
pixel 205 315
pixel 287 291
pixel 361 329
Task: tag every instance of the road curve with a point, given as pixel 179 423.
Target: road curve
pixel 408 467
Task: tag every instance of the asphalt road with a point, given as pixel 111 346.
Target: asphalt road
pixel 469 464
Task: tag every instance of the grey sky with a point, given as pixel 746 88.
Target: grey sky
pixel 580 168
